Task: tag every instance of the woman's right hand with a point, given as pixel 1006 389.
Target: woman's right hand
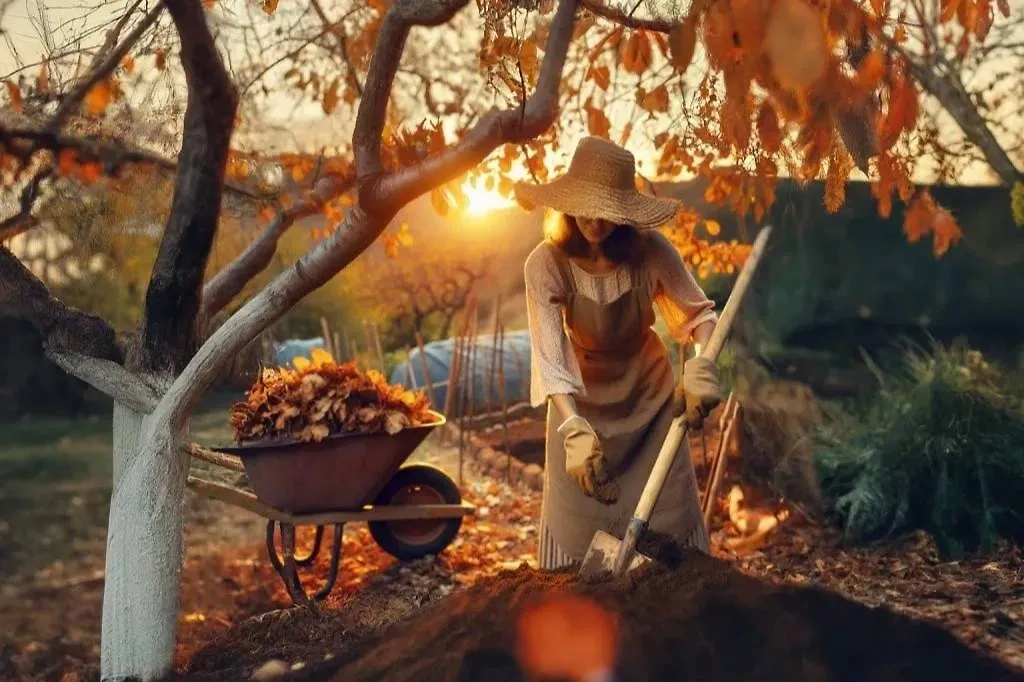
pixel 584 460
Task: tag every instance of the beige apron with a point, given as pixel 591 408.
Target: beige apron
pixel 629 386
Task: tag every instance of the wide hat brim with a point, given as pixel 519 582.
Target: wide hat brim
pixel 579 198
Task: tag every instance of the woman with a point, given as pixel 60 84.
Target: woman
pixel 591 288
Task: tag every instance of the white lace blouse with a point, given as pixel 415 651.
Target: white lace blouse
pixel 553 366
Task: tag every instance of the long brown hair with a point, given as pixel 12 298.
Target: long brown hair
pixel 562 230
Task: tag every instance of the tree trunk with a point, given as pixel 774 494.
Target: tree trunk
pixel 144 549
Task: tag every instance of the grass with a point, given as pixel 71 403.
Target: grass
pixel 939 448
pixel 55 483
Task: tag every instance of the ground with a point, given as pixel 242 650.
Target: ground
pixel 54 488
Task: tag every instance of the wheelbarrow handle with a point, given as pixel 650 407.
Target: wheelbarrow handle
pixel 677 431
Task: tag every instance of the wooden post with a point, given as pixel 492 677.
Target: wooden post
pixel 338 350
pixel 454 371
pixel 325 330
pixel 380 350
pixel 504 401
pixel 426 370
pixel 348 344
pixel 468 363
pixel 494 353
pixel 369 344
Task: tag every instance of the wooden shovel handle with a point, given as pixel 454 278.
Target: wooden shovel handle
pixel 677 430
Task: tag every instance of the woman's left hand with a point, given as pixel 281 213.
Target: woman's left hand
pixel 698 391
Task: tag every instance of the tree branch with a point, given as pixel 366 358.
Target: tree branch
pixel 63 329
pixel 230 281
pixel 23 221
pixel 103 68
pixel 381 193
pixel 949 91
pixel 175 288
pixel 624 18
pixel 109 377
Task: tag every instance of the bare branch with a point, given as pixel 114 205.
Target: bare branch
pixel 624 18
pixel 23 142
pixel 173 296
pixel 230 281
pixel 108 377
pixel 63 329
pixel 103 68
pixel 23 220
pixel 381 192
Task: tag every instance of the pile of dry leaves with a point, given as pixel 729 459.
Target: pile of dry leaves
pixel 320 398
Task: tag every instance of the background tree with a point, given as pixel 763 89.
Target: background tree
pixel 760 106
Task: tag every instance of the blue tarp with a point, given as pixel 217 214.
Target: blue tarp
pixel 286 351
pixel 514 361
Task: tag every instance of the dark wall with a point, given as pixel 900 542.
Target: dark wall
pixel 32 385
pixel 852 279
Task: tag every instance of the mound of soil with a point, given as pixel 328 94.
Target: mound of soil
pixel 699 620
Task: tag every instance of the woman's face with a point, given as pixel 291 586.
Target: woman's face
pixel 595 230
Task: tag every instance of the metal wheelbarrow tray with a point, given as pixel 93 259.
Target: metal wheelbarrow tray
pixel 411 510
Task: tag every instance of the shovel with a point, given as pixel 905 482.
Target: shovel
pixel 606 552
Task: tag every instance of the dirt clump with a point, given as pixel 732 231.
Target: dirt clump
pixel 699 620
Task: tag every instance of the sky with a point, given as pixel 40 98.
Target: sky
pixel 74 17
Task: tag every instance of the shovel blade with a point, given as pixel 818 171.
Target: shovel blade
pixel 600 556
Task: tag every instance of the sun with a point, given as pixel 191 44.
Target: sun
pixel 482 200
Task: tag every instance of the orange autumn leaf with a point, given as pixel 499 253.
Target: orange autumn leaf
pixel 1004 8
pixel 66 160
pixel 945 232
pixel 656 100
pixel 43 79
pixel 330 99
pixel 128 64
pixel 919 217
pixel 100 97
pixel 682 42
pixel 871 71
pixel 14 92
pixel 597 122
pixel 768 129
pixel 637 53
pixel 266 214
pixel 439 202
pixel 600 75
pixel 949 9
pixel 269 6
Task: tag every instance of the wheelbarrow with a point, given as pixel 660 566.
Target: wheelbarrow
pixel 412 510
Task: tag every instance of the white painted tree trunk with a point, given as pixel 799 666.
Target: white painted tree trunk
pixel 144 548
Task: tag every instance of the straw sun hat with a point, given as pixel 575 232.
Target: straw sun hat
pixel 600 183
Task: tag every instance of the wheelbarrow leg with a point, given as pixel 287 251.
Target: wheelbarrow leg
pixel 288 566
pixel 332 570
pixel 313 553
pixel 287 569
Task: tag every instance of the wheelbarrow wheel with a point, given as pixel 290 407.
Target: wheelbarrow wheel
pixel 415 538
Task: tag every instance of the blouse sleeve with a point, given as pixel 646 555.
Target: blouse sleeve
pixel 553 365
pixel 680 300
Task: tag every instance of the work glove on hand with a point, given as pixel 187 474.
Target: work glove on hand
pixel 584 460
pixel 697 392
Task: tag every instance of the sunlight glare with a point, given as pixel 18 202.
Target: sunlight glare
pixel 482 200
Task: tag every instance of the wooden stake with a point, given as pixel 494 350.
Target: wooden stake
pixel 426 370
pixel 338 350
pixel 466 395
pixel 494 353
pixel 369 343
pixel 376 343
pixel 325 329
pixel 504 401
pixel 348 344
pixel 718 462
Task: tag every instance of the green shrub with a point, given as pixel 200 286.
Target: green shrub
pixel 939 448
